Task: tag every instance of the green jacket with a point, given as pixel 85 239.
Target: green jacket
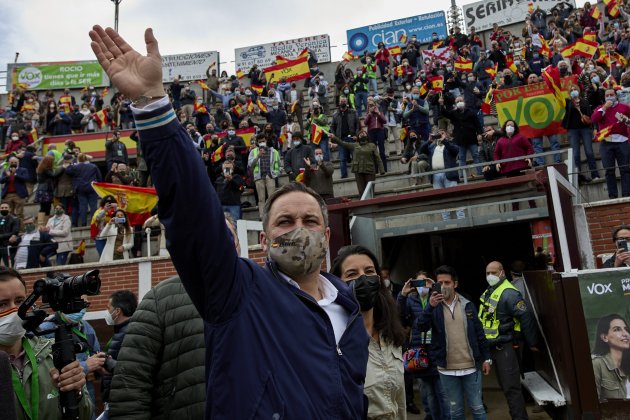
pixel 363 157
pixel 48 394
pixel 160 370
pixel 611 384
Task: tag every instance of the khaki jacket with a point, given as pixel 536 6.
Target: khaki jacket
pixel 384 382
pixel 610 382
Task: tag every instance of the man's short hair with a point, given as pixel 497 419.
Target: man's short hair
pixel 126 300
pixel 289 188
pixel 7 274
pixel 619 229
pixel 446 269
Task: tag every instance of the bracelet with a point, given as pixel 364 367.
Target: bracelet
pixel 142 101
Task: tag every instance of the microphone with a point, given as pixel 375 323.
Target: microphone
pixel 7 399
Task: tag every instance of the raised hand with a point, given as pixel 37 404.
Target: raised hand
pixel 132 73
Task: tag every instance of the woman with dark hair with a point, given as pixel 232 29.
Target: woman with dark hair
pixel 611 357
pixel 119 237
pixel 45 188
pixel 384 383
pixel 512 144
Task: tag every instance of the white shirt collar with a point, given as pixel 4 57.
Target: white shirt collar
pixel 328 290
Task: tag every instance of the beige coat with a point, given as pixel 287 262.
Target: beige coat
pixel 384 382
pixel 61 232
pixel 110 231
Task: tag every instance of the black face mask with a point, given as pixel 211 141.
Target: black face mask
pixel 563 71
pixel 4 212
pixel 366 290
pixel 507 79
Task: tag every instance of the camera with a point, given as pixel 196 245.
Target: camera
pixel 622 244
pixel 418 283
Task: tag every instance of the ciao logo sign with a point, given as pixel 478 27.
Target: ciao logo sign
pixel 30 76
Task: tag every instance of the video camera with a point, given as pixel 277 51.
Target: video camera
pixel 62 293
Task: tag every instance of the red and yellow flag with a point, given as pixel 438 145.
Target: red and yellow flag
pixel 239 74
pixel 200 108
pixel 399 71
pixel 347 56
pixel 317 133
pixel 237 110
pixel 509 63
pixel 394 51
pixel 282 60
pixel 104 92
pixel 245 133
pixel 486 106
pixel 81 248
pixel 437 83
pixel 613 9
pixel 293 70
pixel 203 85
pixel 217 155
pixel 619 58
pixel 590 36
pixel 493 71
pixel 65 102
pixel 261 106
pixel 137 202
pixel 403 39
pixel 585 48
pixel 33 135
pixel 603 133
pixel 595 13
pixel 294 106
pixel 424 89
pixel 404 132
pixel 567 52
pixel 530 7
pixel 551 76
pixel 544 49
pixel 300 177
pixel 250 106
pixel 258 89
pixel 464 65
pixel 101 118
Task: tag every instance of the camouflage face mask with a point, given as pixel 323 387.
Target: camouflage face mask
pixel 299 252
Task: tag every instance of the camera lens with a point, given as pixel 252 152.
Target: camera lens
pixel 85 284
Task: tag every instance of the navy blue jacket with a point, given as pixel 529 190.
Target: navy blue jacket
pixel 271 350
pixel 82 176
pixel 21 176
pixel 433 318
pixel 450 157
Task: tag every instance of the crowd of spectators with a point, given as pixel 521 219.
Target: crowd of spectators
pixel 387 98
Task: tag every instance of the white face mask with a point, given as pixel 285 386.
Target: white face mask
pixel 509 129
pixel 422 291
pixel 109 319
pixel 492 279
pixel 11 329
pixel 460 105
pixel 387 283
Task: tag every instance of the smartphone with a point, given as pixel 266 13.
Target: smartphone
pixel 437 287
pixel 119 220
pixel 622 244
pixel 419 283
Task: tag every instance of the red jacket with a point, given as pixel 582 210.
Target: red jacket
pixel 512 147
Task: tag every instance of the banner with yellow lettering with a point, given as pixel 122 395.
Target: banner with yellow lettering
pixel 533 107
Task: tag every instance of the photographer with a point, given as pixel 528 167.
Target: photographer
pixel 122 304
pixel 37 395
pixel 621 257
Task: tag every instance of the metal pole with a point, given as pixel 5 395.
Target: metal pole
pixel 116 3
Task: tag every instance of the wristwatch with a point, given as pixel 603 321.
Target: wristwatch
pixel 489 361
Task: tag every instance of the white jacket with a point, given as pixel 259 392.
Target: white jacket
pixel 110 231
pixel 61 231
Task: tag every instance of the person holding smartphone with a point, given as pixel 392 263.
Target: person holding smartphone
pixel 119 236
pixel 621 239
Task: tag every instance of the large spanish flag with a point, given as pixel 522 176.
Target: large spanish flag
pixel 137 202
pixel 91 143
pixel 585 48
pixel 245 133
pixel 551 76
pixel 464 65
pixel 292 70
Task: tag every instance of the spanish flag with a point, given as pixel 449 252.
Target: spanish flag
pixel 101 118
pixel 258 89
pixel 294 106
pixel 404 132
pixel 245 133
pixel 282 138
pixel 590 36
pixel 437 83
pixel 239 74
pixel 595 13
pixel 394 51
pixel 317 133
pixel 203 85
pixel 613 9
pixel 610 83
pixel 509 63
pixel 347 56
pixel 217 155
pixel 282 60
pixel 399 71
pixel 66 103
pixel 585 48
pixel 293 70
pixel 403 39
pixel 261 106
pixel 250 106
pixel 619 58
pixel 530 7
pixel 200 108
pixel 493 71
pixel 81 248
pixel 486 106
pixel 33 135
pixel 551 75
pixel 237 110
pixel 104 92
pixel 464 65
pixel 424 89
pixel 567 52
pixel 603 133
pixel 544 49
pixel 300 177
pixel 137 202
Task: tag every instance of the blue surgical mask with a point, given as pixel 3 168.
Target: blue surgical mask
pixel 536 56
pixel 595 79
pixel 612 99
pixel 575 93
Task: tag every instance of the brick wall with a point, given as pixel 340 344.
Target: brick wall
pixel 603 218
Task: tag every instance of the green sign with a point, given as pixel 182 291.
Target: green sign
pixel 53 76
pixel 606 302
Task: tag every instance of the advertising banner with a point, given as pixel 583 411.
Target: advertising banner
pixel 56 76
pixel 533 107
pixel 482 14
pixel 606 302
pixel 189 66
pixel 390 33
pixel 264 55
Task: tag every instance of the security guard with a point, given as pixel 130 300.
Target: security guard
pixel 506 319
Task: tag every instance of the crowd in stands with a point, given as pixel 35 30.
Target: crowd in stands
pixel 250 130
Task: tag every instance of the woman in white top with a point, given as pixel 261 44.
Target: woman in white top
pixel 384 379
pixel 119 238
pixel 60 228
